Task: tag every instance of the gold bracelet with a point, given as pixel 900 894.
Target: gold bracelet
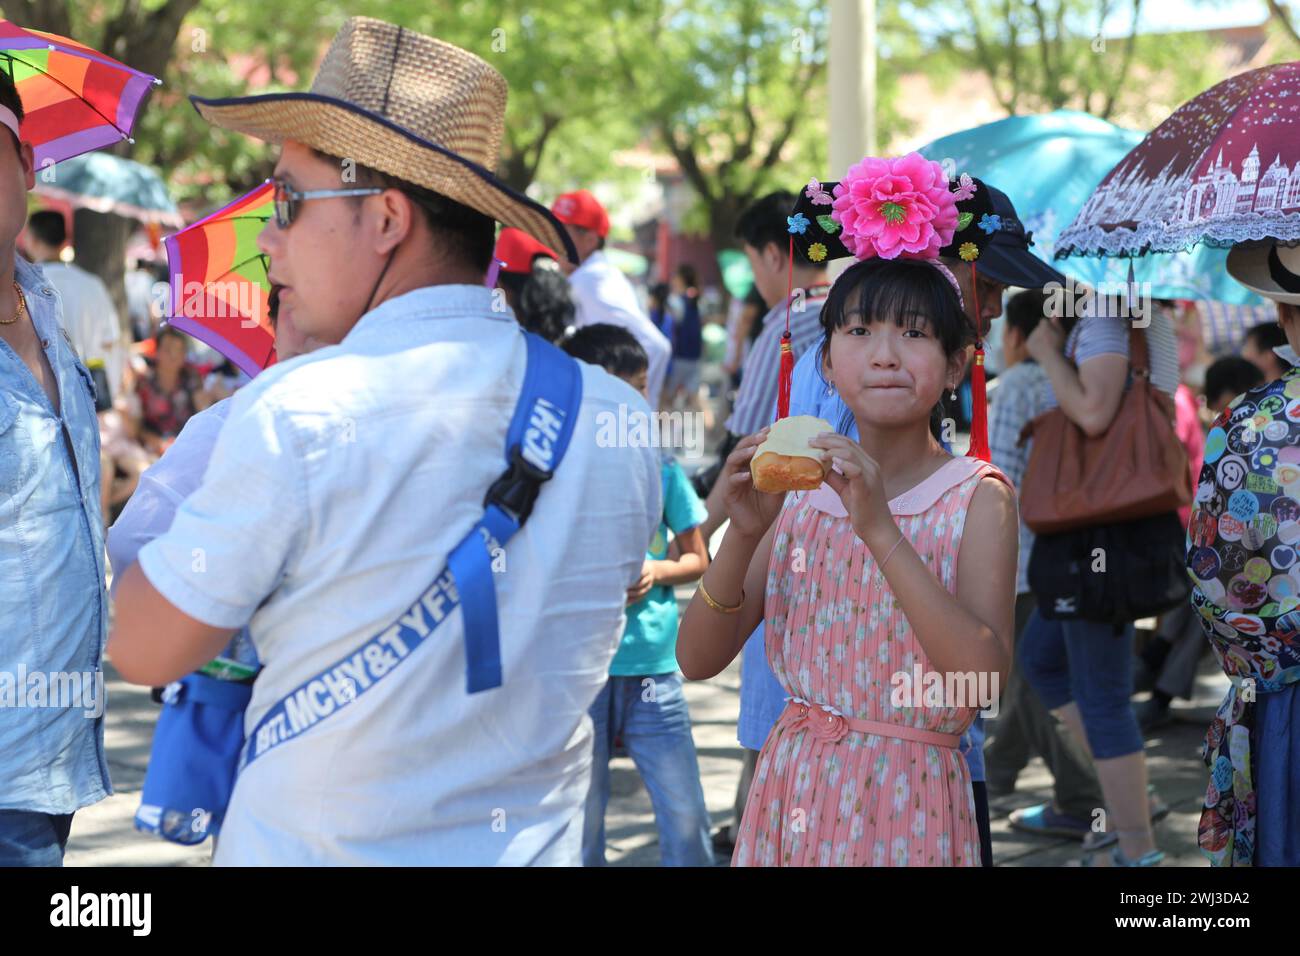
pixel 721 608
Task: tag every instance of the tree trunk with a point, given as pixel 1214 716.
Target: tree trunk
pixel 100 241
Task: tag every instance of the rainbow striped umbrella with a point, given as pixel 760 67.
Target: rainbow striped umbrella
pixel 75 99
pixel 218 281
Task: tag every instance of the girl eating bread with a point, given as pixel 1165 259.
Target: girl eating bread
pixel 902 560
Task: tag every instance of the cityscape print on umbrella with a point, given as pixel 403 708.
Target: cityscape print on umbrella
pixel 1200 176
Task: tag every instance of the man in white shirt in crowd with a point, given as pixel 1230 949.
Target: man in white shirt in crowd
pixel 343 479
pixel 601 293
pixel 89 316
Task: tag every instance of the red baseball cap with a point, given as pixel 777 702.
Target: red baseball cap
pixel 517 249
pixel 583 209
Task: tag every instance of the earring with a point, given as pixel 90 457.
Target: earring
pixel 953 396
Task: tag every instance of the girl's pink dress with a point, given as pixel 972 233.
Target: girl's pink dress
pixel 835 638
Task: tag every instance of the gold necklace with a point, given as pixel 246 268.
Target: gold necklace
pixel 22 306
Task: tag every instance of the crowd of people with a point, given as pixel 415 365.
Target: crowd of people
pixel 284 555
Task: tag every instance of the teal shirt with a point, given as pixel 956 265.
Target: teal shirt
pixel 650 641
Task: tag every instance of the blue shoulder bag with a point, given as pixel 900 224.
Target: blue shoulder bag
pixel 199 745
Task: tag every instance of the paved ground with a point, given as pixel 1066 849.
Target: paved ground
pixel 103 835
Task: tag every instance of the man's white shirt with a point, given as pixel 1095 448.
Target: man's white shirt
pixel 89 316
pixel 339 485
pixel 601 293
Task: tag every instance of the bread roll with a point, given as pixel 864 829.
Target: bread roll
pixel 785 462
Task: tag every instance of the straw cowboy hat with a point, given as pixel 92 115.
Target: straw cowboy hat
pixel 404 104
pixel 1270 270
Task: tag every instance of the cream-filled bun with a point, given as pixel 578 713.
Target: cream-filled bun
pixel 785 462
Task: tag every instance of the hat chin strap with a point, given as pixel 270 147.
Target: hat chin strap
pixel 382 272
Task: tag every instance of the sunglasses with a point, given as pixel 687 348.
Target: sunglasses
pixel 287 199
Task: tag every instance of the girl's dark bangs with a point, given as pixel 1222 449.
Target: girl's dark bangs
pixel 910 293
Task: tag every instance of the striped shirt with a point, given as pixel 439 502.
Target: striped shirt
pixel 1108 335
pixel 1023 393
pixel 758 379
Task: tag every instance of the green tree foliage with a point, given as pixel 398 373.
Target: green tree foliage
pixel 1042 55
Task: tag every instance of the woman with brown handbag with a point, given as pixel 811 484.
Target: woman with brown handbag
pixel 1082 669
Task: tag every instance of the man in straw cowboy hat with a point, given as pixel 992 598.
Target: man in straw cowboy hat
pixel 344 479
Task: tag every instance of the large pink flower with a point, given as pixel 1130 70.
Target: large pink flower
pixel 895 208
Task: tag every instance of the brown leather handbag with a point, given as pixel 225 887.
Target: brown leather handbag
pixel 1137 469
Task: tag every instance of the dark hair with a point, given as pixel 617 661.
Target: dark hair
pixel 659 293
pixel 170 331
pixel 907 292
pixel 764 221
pixel 1266 336
pixel 1232 375
pixel 612 347
pixel 48 226
pixel 9 97
pixel 544 305
pixel 686 272
pixel 1025 310
pixel 468 233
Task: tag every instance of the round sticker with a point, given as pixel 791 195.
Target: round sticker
pixel 1259 421
pixel 1275 430
pixel 1292 389
pixel 1244 594
pixel 1286 474
pixel 1281 587
pixel 1212 590
pixel 1293 411
pixel 1232 472
pixel 1232 557
pixel 1204 563
pixel 1244 623
pixel 1224 629
pixel 1287 627
pixel 1242 439
pixel 1258 530
pixel 1257 570
pixel 1270 405
pixel 1204 528
pixel 1264 459
pixel 1285 509
pixel 1290 455
pixel 1243 505
pixel 1230 528
pixel 1242 412
pixel 1215 443
pixel 1288 532
pixel 1281 557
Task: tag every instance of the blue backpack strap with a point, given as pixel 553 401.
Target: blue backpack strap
pixel 536 442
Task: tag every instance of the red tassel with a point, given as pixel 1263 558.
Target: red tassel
pixel 979 403
pixel 785 377
pixel 979 413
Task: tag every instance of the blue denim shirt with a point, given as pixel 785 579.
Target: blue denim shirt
pixel 52 604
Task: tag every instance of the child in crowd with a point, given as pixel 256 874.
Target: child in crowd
pixel 1227 378
pixel 643 703
pixel 905 557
